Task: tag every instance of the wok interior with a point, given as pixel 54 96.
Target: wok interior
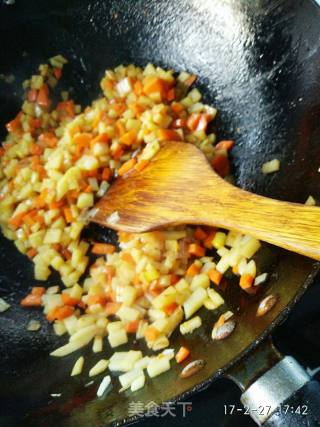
pixel 259 64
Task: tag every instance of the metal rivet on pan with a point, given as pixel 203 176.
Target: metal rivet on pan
pixel 192 368
pixel 223 331
pixel 266 305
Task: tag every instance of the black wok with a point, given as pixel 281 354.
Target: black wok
pixel 259 63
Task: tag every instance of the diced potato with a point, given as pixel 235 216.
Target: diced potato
pixel 215 297
pixel 158 366
pixel 166 297
pixel 99 367
pixel 127 378
pixel 219 240
pixel 200 281
pixel 52 236
pixel 249 246
pixel 41 272
pixel 128 314
pixel 129 294
pixel 85 335
pixel 271 166
pixel 59 328
pixel 88 163
pixel 124 361
pixel 190 325
pixel 85 200
pixel 117 338
pixel 142 363
pixel 194 302
pixel 115 326
pixel 138 383
pixel 77 367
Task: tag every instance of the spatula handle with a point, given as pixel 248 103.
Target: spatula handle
pixel 292 226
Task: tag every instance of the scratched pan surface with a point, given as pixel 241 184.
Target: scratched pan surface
pixel 259 63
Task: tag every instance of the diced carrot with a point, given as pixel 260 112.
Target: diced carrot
pixel 68 215
pixel 14 124
pixel 112 307
pixel 17 220
pixel 66 108
pixel 208 240
pixel 235 270
pixel 57 204
pixel 154 84
pixel 68 300
pixel 39 219
pixel 2 151
pixel 118 152
pixel 196 250
pixel 108 84
pixel 215 276
pixel 82 139
pixel 63 312
pixel 168 134
pixel 138 87
pixel 125 256
pixel 176 107
pixel 102 137
pixel 221 165
pixel 141 165
pixel 51 315
pixel 174 278
pixel 132 327
pixel 106 174
pixel 225 145
pixel 43 96
pixel 170 308
pixel 57 73
pixel 200 234
pixel 151 333
pixel 32 95
pixel 126 167
pixel 48 139
pixel 179 123
pixel 136 108
pixel 246 281
pixel 35 149
pixel 193 121
pixel 203 122
pixel 193 270
pixel 38 290
pixel 34 123
pixel 120 129
pixel 97 299
pixel 171 94
pixel 182 354
pixel 31 253
pixel 190 80
pixel 109 271
pixel 103 249
pixel 154 288
pixel 128 138
pixel 31 301
pixel 66 253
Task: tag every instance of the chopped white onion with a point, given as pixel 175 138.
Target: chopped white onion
pixel 3 305
pixel 103 385
pixel 34 325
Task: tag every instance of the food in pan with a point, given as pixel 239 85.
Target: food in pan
pixel 57 161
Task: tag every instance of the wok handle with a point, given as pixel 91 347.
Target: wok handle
pixel 285 395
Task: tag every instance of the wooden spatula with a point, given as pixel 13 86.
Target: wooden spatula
pixel 180 187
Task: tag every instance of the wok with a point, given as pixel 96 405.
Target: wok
pixel 259 63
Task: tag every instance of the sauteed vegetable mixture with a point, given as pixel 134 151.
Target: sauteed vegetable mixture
pixel 58 160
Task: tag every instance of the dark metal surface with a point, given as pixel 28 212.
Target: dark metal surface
pixel 259 63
